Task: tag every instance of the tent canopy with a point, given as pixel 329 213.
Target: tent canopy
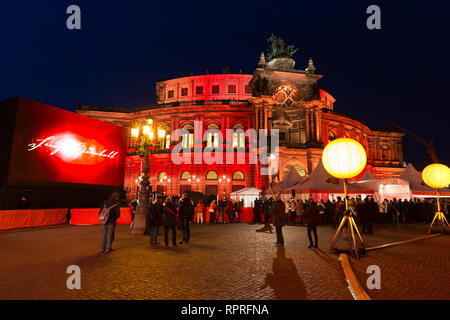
pixel 246 192
pixel 416 184
pixel 289 181
pixel 367 176
pixel 319 180
pixel 248 195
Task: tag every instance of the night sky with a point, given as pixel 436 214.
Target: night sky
pixel 400 72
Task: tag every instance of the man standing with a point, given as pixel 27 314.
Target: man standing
pixel 256 211
pixel 221 207
pixel 339 212
pixel 279 219
pixel 156 214
pixel 265 208
pixel 169 221
pixel 364 215
pixel 108 229
pixel 186 212
pixel 312 220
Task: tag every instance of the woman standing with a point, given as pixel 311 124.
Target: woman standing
pixel 212 211
pixel 292 211
pixel 200 208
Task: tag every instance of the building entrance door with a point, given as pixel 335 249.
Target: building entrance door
pixel 212 189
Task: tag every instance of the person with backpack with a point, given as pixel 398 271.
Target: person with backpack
pixel 186 212
pixel 169 222
pixel 155 219
pixel 108 215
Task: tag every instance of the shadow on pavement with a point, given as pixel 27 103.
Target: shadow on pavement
pixel 284 279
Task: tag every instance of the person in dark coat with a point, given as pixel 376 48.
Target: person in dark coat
pixel 108 229
pixel 372 214
pixel 328 211
pixel 186 212
pixel 364 214
pixel 155 219
pixel 265 209
pixel 169 221
pixel 279 219
pixel 312 220
pixel 256 211
pixel 221 210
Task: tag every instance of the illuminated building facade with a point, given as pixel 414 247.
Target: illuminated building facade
pixel 275 96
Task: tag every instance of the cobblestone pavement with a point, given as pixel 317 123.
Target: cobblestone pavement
pixel 414 271
pixel 221 262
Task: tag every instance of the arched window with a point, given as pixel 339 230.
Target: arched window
pixel 331 136
pixel 164 136
pixel 238 175
pixel 186 175
pixel 213 137
pixel 162 176
pixel 297 167
pixel 238 136
pixel 188 138
pixel 211 175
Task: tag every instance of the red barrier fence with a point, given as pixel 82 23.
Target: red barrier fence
pixel 15 219
pixel 90 216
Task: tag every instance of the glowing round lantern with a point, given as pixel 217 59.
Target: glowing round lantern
pixel 344 158
pixel 436 175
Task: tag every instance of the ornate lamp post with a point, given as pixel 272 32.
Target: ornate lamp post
pixel 437 176
pixel 345 158
pixel 142 135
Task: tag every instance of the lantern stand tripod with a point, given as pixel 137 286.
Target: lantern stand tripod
pixel 348 217
pixel 439 215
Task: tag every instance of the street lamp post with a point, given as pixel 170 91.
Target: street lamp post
pixel 142 136
pixel 437 176
pixel 345 158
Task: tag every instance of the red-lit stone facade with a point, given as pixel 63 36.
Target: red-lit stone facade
pixel 283 98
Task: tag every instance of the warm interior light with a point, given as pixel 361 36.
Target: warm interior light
pixel 161 133
pixel 344 158
pixel 146 130
pixel 436 175
pixel 150 121
pixel 135 132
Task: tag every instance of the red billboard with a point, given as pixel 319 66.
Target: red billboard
pixel 52 144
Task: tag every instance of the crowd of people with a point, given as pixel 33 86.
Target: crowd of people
pixel 175 213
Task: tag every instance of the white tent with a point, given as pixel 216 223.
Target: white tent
pixel 249 195
pixel 416 184
pixel 368 176
pixel 290 180
pixel 320 181
pixel 387 188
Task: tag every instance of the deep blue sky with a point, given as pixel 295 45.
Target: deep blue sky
pixel 124 47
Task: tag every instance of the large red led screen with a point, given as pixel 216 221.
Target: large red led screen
pixel 52 144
